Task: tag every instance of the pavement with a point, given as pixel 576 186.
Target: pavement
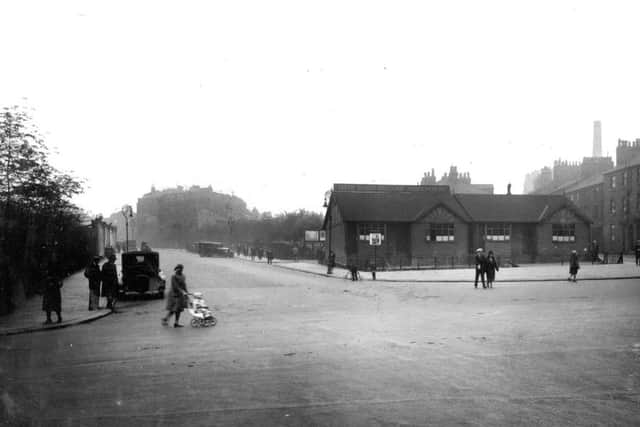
pixel 29 317
pixel 522 273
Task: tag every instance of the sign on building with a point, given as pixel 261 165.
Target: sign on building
pixel 311 236
pixel 375 239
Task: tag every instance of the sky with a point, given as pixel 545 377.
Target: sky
pixel 277 100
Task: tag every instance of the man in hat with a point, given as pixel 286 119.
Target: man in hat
pixel 481 267
pixel 92 272
pixel 110 282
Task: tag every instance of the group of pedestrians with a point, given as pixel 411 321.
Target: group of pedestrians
pixel 486 266
pixel 102 282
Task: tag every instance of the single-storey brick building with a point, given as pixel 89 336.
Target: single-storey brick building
pixel 424 225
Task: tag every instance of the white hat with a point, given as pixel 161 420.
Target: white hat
pixel 479 250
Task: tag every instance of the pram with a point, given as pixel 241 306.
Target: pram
pixel 201 315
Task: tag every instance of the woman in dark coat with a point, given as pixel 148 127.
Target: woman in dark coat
pixel 491 268
pixel 52 300
pixel 176 300
pixel 574 266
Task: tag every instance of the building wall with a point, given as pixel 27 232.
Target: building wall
pixel 336 236
pixel 424 252
pixel 590 200
pixel 626 224
pixel 558 251
pixel 395 248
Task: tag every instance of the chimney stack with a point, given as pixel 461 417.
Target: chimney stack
pixel 597 139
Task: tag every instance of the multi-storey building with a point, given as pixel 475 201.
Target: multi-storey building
pixel 621 200
pixel 458 183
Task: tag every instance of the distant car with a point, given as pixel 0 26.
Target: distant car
pixel 141 273
pixel 213 249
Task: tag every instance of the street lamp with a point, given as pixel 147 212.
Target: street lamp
pixel 127 212
pixel 327 204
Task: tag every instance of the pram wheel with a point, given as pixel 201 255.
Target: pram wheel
pixel 195 323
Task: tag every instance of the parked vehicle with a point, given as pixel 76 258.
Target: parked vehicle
pixel 213 249
pixel 141 273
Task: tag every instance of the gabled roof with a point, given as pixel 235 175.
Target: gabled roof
pixel 515 208
pixel 389 206
pixel 410 206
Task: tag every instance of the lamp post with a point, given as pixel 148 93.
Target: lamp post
pixel 327 204
pixel 127 212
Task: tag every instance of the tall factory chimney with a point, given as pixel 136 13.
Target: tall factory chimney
pixel 597 139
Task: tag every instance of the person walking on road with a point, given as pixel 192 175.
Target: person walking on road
pixel 176 301
pixel 52 299
pixel 110 282
pixel 269 256
pixel 92 272
pixel 492 267
pixel 574 266
pixel 481 267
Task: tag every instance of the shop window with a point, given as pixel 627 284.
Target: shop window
pixel 365 229
pixel 563 233
pixel 440 233
pixel 498 232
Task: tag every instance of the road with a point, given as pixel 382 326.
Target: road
pixel 297 349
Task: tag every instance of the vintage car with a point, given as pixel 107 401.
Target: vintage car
pixel 140 273
pixel 213 249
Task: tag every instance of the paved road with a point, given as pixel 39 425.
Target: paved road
pixel 297 349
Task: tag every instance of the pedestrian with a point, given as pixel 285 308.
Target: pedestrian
pixel 637 251
pixel 492 267
pixel 354 271
pixel 595 251
pixel 52 299
pixel 481 267
pixel 176 301
pixel 574 266
pixel 269 256
pixel 110 282
pixel 92 272
pixel 331 262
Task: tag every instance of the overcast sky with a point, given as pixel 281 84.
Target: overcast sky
pixel 278 100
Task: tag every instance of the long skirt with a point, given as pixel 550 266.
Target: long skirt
pixel 94 299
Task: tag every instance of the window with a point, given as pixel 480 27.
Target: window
pixel 440 233
pixel 638 175
pixel 498 232
pixel 367 228
pixel 638 202
pixel 563 233
pixel 612 181
pixel 612 206
pixel 625 178
pixel 612 232
pixel 595 211
pixel 625 204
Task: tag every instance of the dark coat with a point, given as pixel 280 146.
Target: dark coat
pixel 492 267
pixel 574 266
pixel 109 279
pixel 52 300
pixel 481 263
pixel 176 299
pixel 92 272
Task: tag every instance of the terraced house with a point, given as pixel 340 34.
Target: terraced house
pixel 426 225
